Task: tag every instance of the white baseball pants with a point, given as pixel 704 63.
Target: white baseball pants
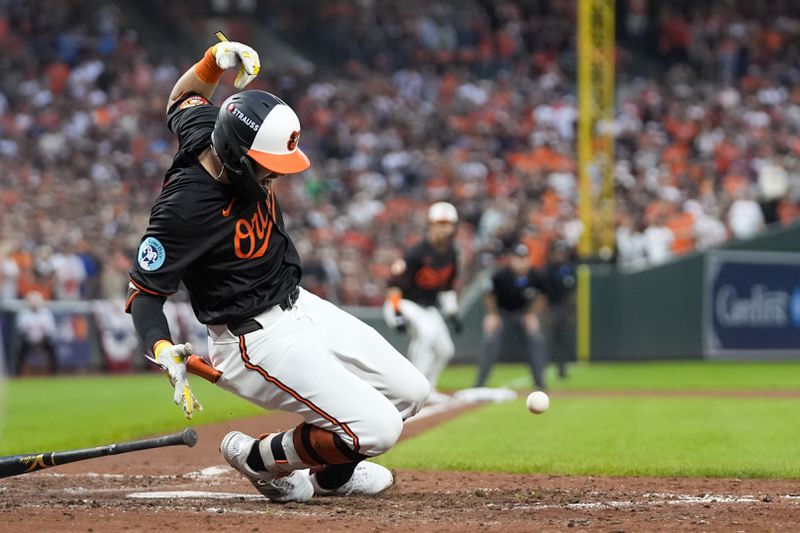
pixel 431 346
pixel 318 361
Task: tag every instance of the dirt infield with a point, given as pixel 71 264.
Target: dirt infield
pixel 181 489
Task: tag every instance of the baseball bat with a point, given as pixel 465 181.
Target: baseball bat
pixel 15 465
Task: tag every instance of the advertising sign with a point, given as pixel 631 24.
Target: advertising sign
pixel 752 305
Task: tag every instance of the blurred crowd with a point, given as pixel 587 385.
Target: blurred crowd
pixel 472 102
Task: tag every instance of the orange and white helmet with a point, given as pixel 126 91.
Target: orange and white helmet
pixel 257 128
pixel 442 212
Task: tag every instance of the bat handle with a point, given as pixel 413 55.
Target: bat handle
pixel 200 367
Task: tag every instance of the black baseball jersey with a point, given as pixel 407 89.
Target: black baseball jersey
pixel 561 279
pixel 232 254
pixel 427 272
pixel 515 293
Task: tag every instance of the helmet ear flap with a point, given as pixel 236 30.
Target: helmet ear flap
pixel 239 167
pixel 247 183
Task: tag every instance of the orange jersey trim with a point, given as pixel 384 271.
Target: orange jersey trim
pixel 148 291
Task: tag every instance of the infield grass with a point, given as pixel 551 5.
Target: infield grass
pixel 596 434
pixel 62 413
pixel 606 434
pixel 617 436
pixel 641 376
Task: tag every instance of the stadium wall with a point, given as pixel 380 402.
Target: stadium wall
pixel 658 313
pixel 667 312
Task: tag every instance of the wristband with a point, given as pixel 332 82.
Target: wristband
pixel 394 299
pixel 159 346
pixel 207 69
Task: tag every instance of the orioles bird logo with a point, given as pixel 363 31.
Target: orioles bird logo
pixel 293 138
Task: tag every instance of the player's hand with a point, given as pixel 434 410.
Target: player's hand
pixel 532 323
pixel 400 323
pixel 456 324
pixel 231 54
pixel 490 323
pixel 172 360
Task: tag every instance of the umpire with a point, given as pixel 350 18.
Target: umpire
pixel 516 300
pixel 560 274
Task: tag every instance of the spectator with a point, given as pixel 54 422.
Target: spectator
pixel 37 330
pixel 475 104
pixel 9 273
pixel 658 241
pixel 745 217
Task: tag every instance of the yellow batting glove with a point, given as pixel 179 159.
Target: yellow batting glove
pixel 172 360
pixel 229 54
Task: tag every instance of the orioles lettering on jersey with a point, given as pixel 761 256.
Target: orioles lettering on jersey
pixel 251 238
pixel 431 278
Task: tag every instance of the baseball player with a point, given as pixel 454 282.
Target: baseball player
pixel 217 227
pixel 422 295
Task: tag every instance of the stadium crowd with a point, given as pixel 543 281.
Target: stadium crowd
pixel 471 102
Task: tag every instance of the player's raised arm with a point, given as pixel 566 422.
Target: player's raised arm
pixel 202 77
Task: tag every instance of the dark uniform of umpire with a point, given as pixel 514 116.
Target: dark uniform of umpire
pixel 561 277
pixel 517 298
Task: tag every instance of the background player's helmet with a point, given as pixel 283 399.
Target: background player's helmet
pixel 442 212
pixel 257 128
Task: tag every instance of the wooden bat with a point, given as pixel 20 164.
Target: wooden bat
pixel 200 367
pixel 15 465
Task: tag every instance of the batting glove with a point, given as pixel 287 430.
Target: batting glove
pixel 400 323
pixel 172 360
pixel 456 324
pixel 230 54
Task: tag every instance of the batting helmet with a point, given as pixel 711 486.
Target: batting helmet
pixel 442 212
pixel 256 127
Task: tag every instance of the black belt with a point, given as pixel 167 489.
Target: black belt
pixel 249 325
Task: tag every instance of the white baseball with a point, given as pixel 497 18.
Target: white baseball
pixel 538 402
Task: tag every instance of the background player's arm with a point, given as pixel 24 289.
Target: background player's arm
pixel 491 319
pixel 448 301
pixel 394 294
pixel 537 306
pixel 203 77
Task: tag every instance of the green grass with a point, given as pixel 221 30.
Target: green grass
pixel 617 436
pixel 679 375
pixel 69 412
pixel 638 435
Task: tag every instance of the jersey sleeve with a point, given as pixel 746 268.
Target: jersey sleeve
pixel 453 284
pixel 404 279
pixel 191 119
pixel 493 283
pixel 169 246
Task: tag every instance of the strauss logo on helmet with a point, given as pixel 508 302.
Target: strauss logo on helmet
pixel 249 122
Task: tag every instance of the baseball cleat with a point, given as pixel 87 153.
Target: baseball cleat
pixel 279 488
pixel 368 479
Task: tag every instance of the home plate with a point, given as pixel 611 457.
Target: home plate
pixel 196 494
